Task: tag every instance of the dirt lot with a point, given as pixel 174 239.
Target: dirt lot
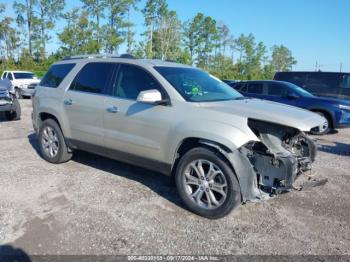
pixel 93 205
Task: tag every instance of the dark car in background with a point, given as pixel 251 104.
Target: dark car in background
pixel 229 82
pixel 336 111
pixel 329 84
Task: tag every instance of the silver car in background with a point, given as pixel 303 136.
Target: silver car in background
pixel 222 148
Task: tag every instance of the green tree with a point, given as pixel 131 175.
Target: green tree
pixel 200 38
pixel 282 59
pixel 76 37
pixel 153 12
pixel 192 35
pixel 9 38
pixel 252 57
pixel 95 9
pixel 25 16
pixel 119 26
pixel 168 36
pixel 49 12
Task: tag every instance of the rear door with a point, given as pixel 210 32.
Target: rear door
pixel 134 128
pixel 84 103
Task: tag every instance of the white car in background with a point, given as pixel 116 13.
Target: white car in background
pixel 23 82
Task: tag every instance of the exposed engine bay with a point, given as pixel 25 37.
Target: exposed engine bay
pixel 276 161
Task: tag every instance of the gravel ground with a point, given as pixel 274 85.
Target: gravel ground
pixel 93 205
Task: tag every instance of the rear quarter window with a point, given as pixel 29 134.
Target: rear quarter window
pixel 56 74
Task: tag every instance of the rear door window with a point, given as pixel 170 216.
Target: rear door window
pixel 255 88
pixel 56 74
pixel 94 78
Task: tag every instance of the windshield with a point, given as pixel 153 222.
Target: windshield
pixel 24 75
pixel 195 85
pixel 299 90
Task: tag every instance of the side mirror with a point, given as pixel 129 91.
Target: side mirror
pixel 152 96
pixel 292 96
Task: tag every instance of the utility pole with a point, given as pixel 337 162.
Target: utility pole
pixel 341 67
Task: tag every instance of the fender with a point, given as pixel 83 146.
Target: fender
pixel 229 136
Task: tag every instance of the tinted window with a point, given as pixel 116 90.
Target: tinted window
pixel 345 81
pixel 23 75
pixel 132 80
pixel 240 87
pixel 56 74
pixel 297 78
pixel 93 78
pixel 274 89
pixel 196 85
pixel 322 80
pixel 9 76
pixel 255 88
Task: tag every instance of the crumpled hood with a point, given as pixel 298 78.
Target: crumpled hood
pixel 268 111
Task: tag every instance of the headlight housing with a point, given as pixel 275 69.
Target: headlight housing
pixel 344 107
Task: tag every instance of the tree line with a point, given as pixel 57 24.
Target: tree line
pixel 103 26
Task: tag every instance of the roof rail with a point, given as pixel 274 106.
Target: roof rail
pixel 90 56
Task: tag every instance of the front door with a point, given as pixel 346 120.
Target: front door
pixel 134 128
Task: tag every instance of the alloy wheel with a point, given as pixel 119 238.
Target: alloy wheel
pixel 50 142
pixel 205 184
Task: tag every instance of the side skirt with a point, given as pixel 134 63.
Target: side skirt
pixel 146 163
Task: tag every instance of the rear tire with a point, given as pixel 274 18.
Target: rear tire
pixel 52 144
pixel 326 129
pixel 207 184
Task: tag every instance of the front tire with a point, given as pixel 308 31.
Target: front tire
pixel 207 184
pixel 52 144
pixel 18 93
pixel 14 115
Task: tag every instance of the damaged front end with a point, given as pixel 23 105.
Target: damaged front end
pixel 271 166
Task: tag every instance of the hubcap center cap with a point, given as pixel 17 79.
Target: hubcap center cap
pixel 205 184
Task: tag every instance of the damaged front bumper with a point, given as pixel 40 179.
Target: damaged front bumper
pixel 271 166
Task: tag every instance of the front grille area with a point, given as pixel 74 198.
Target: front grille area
pixel 32 86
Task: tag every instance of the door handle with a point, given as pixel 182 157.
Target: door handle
pixel 68 102
pixel 112 109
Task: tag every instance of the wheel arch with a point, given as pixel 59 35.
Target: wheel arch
pixel 218 148
pixel 192 142
pixel 329 115
pixel 45 115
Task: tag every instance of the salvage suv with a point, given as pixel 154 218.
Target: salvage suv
pixel 222 148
